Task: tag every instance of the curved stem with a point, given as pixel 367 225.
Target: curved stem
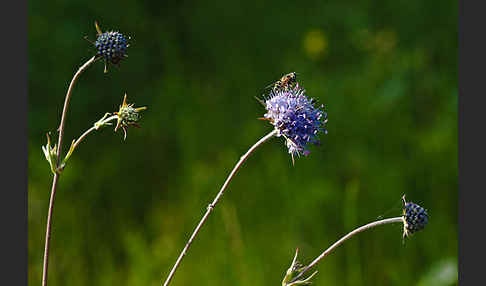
pixel 66 105
pixel 56 175
pixel 76 143
pixel 93 128
pixel 346 237
pixel 215 201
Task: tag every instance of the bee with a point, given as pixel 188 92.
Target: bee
pixel 285 82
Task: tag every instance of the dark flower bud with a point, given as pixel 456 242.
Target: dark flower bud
pixel 414 218
pixel 112 46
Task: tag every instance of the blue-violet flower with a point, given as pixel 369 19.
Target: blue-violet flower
pixel 295 117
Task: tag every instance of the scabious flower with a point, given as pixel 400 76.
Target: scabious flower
pixel 127 116
pixel 414 218
pixel 112 46
pixel 295 117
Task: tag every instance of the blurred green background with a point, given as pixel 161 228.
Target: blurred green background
pixel 386 72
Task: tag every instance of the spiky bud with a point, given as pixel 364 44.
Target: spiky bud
pixel 127 116
pixel 295 269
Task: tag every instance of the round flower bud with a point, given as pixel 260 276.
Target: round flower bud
pixel 112 46
pixel 414 217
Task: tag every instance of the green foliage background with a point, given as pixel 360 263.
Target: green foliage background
pixel 386 72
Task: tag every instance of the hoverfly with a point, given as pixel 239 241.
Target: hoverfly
pixel 285 82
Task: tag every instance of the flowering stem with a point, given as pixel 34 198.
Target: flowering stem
pixel 56 175
pixel 346 237
pixel 215 201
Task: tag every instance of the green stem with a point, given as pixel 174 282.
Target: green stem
pixel 97 125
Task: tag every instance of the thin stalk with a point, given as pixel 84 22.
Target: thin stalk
pixel 346 237
pixel 215 201
pixel 83 136
pixel 56 175
pixel 66 104
pixel 48 229
pixel 97 125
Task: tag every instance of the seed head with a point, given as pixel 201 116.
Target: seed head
pixel 414 218
pixel 295 118
pixel 127 116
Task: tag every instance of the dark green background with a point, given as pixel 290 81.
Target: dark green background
pixel 386 72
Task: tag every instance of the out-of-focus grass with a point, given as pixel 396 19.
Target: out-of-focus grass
pixel 387 74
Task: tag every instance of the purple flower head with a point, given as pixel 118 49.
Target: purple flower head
pixel 295 118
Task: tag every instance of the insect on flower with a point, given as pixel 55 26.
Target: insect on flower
pixel 296 118
pixel 285 82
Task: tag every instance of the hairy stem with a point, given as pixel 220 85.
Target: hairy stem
pixel 346 237
pixel 56 175
pixel 215 201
